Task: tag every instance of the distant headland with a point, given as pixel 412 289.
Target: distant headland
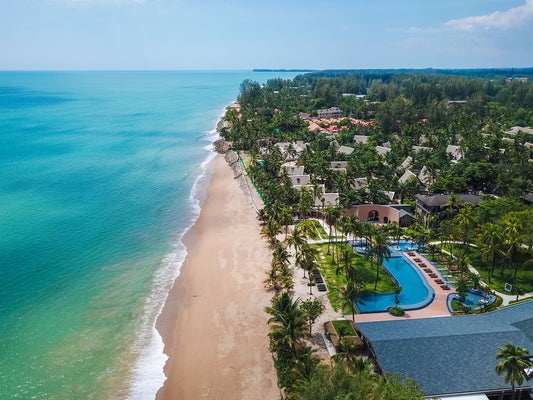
pixel 283 70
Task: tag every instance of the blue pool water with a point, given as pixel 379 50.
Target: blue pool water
pixel 473 299
pixel 416 292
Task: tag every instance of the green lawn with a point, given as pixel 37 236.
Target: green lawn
pixel 336 283
pixel 320 229
pixel 500 277
pixel 344 323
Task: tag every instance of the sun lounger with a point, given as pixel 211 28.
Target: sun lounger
pixel 422 265
pixel 433 275
pixel 428 270
pixel 443 260
pixel 417 260
pixel 445 287
pixel 439 281
pixel 453 270
pixel 321 287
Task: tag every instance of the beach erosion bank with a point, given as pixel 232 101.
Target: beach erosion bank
pixel 213 324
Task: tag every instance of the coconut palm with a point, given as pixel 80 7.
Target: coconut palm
pixel 350 296
pixel 490 241
pixel 513 234
pixel 380 251
pixel 513 364
pixel 271 230
pixel 296 239
pixel 305 366
pixel 465 223
pixel 332 215
pixel 346 266
pixel 287 322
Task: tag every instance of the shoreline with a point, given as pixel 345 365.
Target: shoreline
pixel 213 323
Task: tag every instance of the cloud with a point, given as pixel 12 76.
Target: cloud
pixel 497 20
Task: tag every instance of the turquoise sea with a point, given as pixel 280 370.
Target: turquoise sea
pixel 100 176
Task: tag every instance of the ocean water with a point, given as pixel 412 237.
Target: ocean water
pixel 100 177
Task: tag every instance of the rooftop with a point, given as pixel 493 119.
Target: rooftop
pixel 450 355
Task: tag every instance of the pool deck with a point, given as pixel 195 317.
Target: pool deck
pixel 437 308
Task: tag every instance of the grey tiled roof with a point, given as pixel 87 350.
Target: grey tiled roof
pixel 451 354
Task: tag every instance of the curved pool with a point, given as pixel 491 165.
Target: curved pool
pixel 416 291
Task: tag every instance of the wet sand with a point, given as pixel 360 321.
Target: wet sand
pixel 213 324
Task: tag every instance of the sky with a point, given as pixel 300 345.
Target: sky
pixel 247 34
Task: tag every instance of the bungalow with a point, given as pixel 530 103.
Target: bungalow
pixel 455 152
pixel 381 150
pixel 406 175
pixel 333 112
pixel 300 180
pixel 327 199
pixel 420 148
pixel 407 162
pixel 515 129
pixel 345 150
pixel 339 164
pixel 450 356
pixel 361 139
pixel 293 169
pixel 425 177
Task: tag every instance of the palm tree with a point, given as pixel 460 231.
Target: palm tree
pixel 332 215
pixel 380 251
pixel 490 241
pixel 513 236
pixel 286 219
pixel 296 239
pixel 287 322
pixel 346 266
pixel 305 366
pixel 271 230
pixel 305 201
pixel 465 222
pixel 513 364
pixel 350 295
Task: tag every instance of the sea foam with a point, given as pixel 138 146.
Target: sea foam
pixel 148 376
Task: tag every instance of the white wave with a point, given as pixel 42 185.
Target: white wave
pixel 148 376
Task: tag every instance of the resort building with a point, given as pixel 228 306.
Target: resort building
pixel 450 356
pixel 383 214
pixel 300 180
pixel 327 199
pixel 293 169
pixel 361 139
pixel 515 129
pixel 382 150
pixel 333 112
pixel 407 162
pixel 455 152
pixel 428 205
pixel 345 150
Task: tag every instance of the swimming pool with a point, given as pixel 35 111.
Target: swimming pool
pixel 416 291
pixel 474 299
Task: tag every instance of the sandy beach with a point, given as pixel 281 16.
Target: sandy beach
pixel 213 325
